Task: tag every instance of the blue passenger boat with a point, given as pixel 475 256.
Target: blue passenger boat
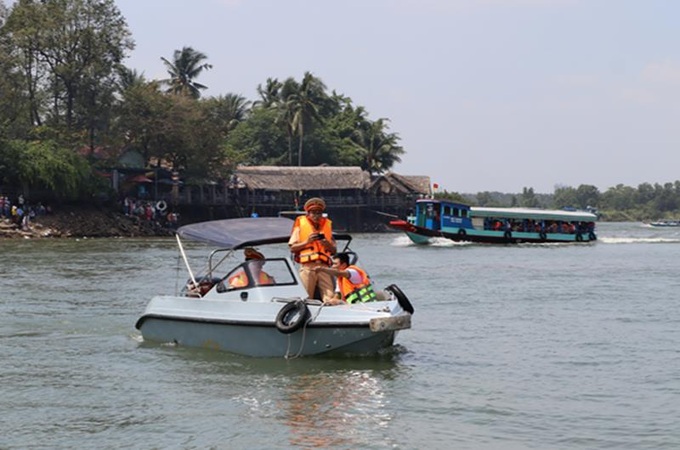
pixel 460 222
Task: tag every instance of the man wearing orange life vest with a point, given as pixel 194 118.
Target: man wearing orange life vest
pixel 255 261
pixel 312 243
pixel 353 284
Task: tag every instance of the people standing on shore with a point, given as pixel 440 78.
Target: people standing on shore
pixel 312 243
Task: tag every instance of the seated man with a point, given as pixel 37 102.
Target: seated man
pixel 255 262
pixel 352 282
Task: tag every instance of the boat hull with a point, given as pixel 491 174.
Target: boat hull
pixel 239 328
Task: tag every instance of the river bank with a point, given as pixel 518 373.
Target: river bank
pixel 78 222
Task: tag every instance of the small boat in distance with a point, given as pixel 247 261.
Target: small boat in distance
pixel 665 223
pixel 460 222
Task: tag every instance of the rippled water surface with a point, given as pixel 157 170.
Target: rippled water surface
pixel 524 347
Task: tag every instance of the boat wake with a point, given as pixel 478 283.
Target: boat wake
pixel 637 240
pixel 405 241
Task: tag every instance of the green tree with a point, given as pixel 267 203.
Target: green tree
pixel 43 165
pixel 379 149
pixel 227 111
pixel 529 199
pixel 186 65
pixel 70 49
pixel 304 105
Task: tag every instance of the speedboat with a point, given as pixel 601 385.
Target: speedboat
pixel 266 320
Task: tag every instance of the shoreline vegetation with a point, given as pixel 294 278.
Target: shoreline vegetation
pixel 83 222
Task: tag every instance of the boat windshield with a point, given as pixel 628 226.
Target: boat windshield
pixel 263 272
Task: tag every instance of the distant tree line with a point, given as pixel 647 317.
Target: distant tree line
pixel 70 107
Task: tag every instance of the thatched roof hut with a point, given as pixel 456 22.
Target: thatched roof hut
pixel 275 178
pixel 393 184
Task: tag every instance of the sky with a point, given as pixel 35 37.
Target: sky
pixel 485 95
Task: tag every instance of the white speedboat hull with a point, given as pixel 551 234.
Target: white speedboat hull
pixel 250 329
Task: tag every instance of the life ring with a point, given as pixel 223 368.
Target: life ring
pixel 292 316
pixel 507 234
pixel 579 237
pixel 401 298
pixel 592 236
pixel 462 232
pixel 161 206
pixel 542 235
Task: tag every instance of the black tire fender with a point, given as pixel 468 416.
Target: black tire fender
pixel 401 298
pixel 462 232
pixel 292 317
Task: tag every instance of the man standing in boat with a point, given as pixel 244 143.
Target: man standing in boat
pixel 312 243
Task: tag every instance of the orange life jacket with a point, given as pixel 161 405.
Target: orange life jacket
pixel 314 251
pixel 241 279
pixel 362 291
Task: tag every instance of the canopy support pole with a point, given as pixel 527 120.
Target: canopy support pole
pixel 186 262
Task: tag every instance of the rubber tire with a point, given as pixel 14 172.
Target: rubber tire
pixel 401 298
pixel 298 310
pixel 462 232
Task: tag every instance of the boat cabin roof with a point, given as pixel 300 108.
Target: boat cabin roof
pixel 233 234
pixel 533 213
pixel 517 213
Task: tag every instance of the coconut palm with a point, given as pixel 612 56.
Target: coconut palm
pixel 269 94
pixel 379 148
pixel 185 67
pixel 305 104
pixel 229 110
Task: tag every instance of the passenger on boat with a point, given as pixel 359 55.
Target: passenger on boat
pixel 352 282
pixel 255 262
pixel 312 243
pixel 200 288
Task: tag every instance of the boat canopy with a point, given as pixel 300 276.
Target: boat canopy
pixel 532 213
pixel 239 233
pixel 234 234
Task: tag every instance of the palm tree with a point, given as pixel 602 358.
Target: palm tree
pixel 269 94
pixel 304 105
pixel 184 68
pixel 379 148
pixel 229 110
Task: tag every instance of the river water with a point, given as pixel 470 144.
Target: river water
pixel 518 347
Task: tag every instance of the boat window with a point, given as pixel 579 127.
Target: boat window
pixel 455 212
pixel 268 272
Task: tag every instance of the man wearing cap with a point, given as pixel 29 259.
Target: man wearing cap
pixel 311 241
pixel 255 262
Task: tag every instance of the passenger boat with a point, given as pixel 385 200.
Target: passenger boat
pixel 460 222
pixel 266 320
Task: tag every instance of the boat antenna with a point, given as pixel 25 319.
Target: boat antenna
pixel 184 257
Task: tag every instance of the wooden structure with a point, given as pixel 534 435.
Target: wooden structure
pixel 352 195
